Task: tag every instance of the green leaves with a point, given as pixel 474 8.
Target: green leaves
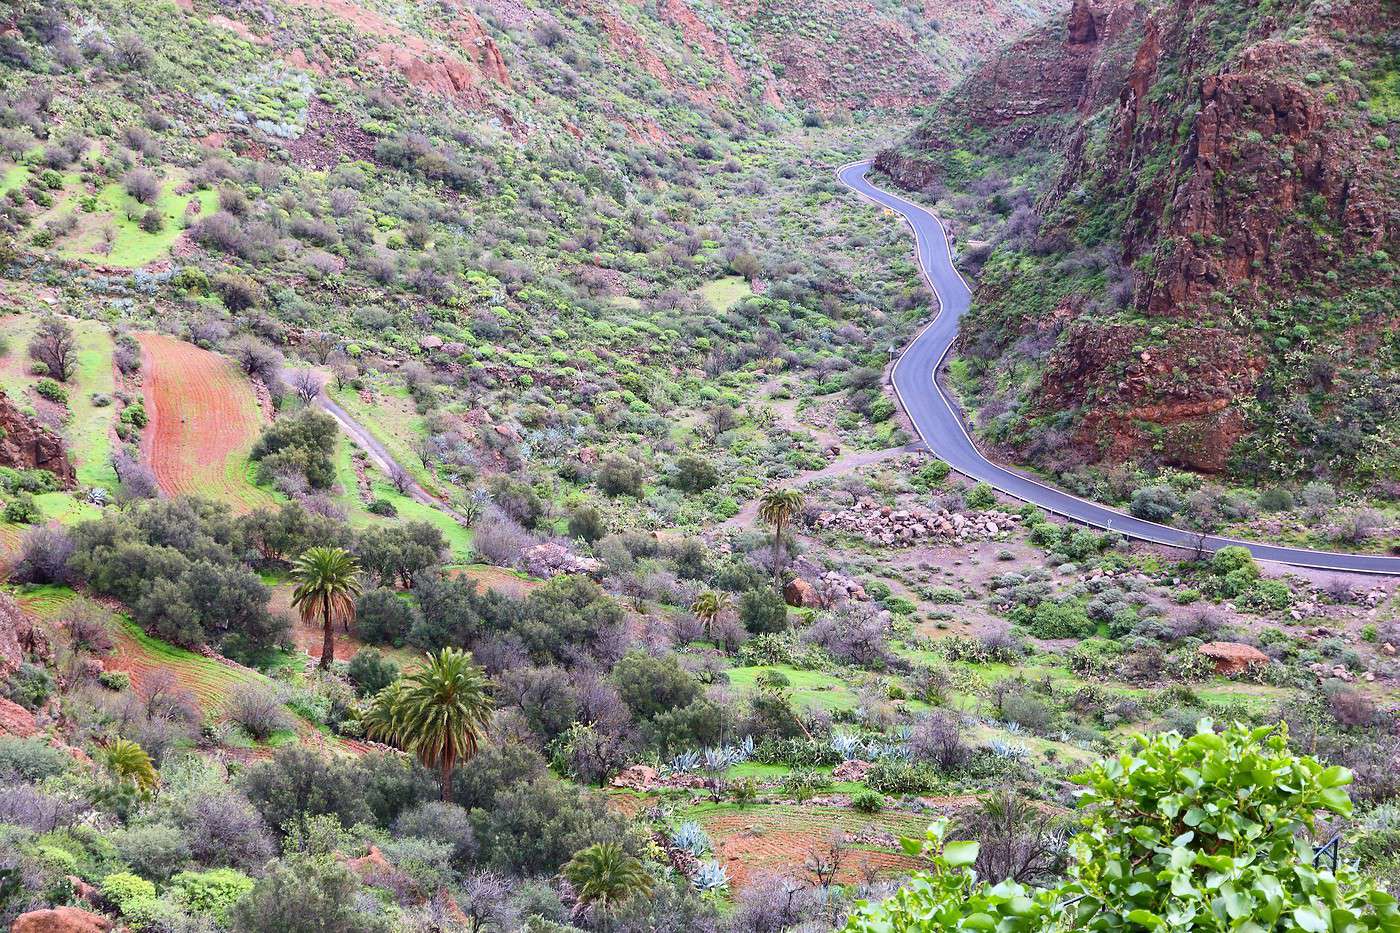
pixel 960 854
pixel 1208 833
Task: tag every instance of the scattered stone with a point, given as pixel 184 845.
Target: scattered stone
pixel 883 525
pixel 636 777
pixel 1232 657
pixel 852 770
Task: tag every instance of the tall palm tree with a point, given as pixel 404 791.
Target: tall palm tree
pixel 778 508
pixel 128 763
pixel 604 876
pixel 709 606
pixel 438 712
pixel 327 583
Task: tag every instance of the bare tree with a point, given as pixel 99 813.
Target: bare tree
pixel 401 480
pixel 320 346
pixel 307 385
pixel 54 346
pixel 825 858
pixel 486 902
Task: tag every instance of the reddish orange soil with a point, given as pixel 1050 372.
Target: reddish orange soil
pixel 203 419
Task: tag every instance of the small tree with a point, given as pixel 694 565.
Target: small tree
pixel 709 606
pixel 55 347
pixel 438 713
pixel 605 876
pixel 778 508
pixel 327 582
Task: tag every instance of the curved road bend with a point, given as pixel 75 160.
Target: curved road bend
pixel 935 415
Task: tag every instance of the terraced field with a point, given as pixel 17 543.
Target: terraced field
pixel 204 419
pixel 751 840
pixel 210 679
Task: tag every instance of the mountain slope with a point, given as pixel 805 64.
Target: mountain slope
pixel 1199 269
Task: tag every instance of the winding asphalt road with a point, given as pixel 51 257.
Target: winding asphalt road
pixel 936 417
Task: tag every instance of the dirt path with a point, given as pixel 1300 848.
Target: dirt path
pixel 382 459
pixel 845 463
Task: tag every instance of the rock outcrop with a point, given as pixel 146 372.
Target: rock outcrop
pixel 1232 657
pixel 27 445
pixel 1244 200
pixel 61 920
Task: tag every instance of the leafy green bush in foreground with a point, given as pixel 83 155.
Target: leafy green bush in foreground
pixel 1203 833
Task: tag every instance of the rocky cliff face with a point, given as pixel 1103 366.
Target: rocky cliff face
pixel 1233 163
pixel 26 445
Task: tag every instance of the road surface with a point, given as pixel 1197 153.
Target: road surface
pixel 381 457
pixel 935 415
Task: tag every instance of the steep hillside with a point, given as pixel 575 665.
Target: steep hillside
pixel 1190 219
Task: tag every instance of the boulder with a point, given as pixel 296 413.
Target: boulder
pixel 798 592
pixel 636 777
pixel 1232 657
pixel 60 920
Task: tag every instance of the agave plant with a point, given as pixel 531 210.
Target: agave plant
pixel 1014 751
pixel 691 837
pixel 718 759
pixel 685 762
pixel 847 746
pixel 711 876
pixel 744 750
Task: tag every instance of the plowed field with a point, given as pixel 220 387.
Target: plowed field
pixel 204 419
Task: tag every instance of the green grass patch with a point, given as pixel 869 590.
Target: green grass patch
pixel 723 293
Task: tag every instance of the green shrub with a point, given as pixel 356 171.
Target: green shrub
pixel 932 474
pixel 121 888
pixel 892 776
pixel 1065 619
pixel 981 497
pixel 1267 595
pixel 867 801
pixel 21 509
pixel 213 893
pixel 114 680
pixel 32 759
pixel 51 390
pixel 1160 830
pixel 382 507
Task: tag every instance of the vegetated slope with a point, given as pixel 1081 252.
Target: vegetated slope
pixel 1199 268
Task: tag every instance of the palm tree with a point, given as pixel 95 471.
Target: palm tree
pixel 438 713
pixel 778 507
pixel 129 764
pixel 603 875
pixel 709 606
pixel 327 583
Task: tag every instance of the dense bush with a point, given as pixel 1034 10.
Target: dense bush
pixel 175 564
pixel 300 445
